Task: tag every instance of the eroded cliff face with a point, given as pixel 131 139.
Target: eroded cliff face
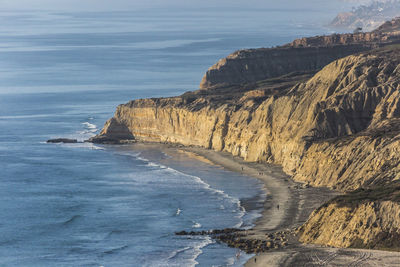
pixel 250 65
pixel 340 128
pixel 352 103
pixel 304 54
pixel 373 222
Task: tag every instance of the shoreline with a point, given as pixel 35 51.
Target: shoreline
pixel 296 202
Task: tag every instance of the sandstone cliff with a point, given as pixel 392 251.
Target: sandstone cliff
pixel 345 116
pixel 362 219
pixel 304 54
pixel 338 128
pixel 250 65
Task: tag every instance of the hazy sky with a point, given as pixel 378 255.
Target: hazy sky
pixel 96 5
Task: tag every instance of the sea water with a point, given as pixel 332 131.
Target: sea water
pixel 62 75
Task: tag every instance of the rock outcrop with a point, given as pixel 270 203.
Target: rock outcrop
pixel 339 128
pixel 120 134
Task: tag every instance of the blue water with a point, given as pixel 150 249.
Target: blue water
pixel 62 75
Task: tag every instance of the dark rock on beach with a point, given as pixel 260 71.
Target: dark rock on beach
pixel 63 140
pixel 210 232
pixel 238 238
pixel 109 140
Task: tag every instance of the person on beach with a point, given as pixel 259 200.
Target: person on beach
pixel 277 206
pixel 238 254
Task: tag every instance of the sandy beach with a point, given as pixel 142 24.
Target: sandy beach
pixel 296 202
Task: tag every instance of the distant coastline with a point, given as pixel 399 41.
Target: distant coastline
pixel 367 17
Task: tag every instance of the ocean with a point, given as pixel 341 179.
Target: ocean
pixel 62 75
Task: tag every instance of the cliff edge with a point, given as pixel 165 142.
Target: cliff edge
pixel 304 54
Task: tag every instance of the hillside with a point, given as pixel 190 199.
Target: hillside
pixel 368 16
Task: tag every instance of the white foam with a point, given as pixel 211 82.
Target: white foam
pixel 178 211
pixel 152 164
pixel 235 201
pixel 89 125
pixel 196 225
pixel 89 130
pixel 194 251
pixel 176 252
pixel 240 210
pixel 197 250
pixel 83 145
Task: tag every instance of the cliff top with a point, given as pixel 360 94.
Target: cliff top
pixel 232 95
pixel 302 55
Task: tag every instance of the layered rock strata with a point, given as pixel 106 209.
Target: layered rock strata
pixel 338 128
pixel 305 54
pixel 362 219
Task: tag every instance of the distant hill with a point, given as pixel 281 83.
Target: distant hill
pixel 367 17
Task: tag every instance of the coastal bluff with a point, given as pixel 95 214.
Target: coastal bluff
pixel 304 54
pixel 338 127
